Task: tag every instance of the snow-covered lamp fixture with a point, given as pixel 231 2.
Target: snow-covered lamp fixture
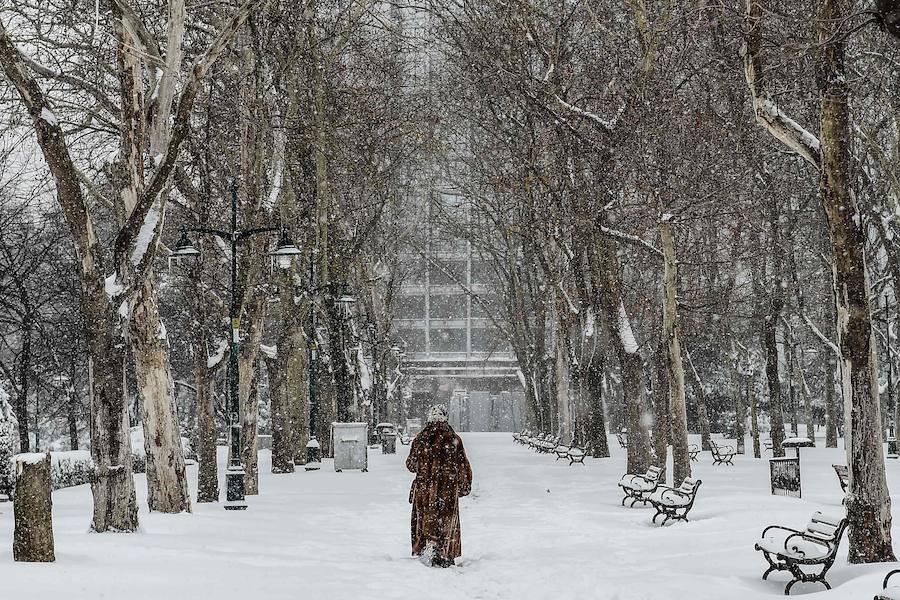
pixel 346 299
pixel 184 248
pixel 285 251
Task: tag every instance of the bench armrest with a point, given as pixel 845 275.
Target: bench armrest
pixel 887 578
pixel 633 478
pixel 672 491
pixel 779 527
pixel 809 539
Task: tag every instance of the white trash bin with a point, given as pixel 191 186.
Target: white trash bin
pixel 349 443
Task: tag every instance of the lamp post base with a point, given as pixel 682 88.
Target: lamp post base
pixel 234 488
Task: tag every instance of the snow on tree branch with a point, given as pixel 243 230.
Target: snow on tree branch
pixel 768 113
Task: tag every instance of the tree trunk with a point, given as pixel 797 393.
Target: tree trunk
pixel 248 393
pixel 208 472
pixel 807 405
pixel 71 414
pixel 868 500
pixel 754 417
pixel 297 390
pixel 167 488
pixel 830 412
pixel 24 379
pixel 740 416
pixel 280 412
pixel 792 390
pixel 776 414
pixel 608 286
pixel 702 413
pixel 33 535
pixel 662 422
pixel 562 366
pixel 250 430
pixel 597 419
pixel 115 503
pixel 681 459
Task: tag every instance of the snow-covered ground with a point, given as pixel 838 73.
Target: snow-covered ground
pixel 533 528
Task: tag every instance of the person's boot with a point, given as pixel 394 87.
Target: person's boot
pixel 429 555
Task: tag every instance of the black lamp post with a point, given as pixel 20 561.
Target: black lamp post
pixel 234 475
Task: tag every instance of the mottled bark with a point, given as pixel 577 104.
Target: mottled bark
pixel 297 389
pixel 831 415
pixel 662 422
pixel 868 500
pixel 681 458
pixel 283 450
pixel 609 288
pixel 33 534
pixel 250 432
pixel 167 488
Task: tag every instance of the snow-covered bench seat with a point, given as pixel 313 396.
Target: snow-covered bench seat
pixel 562 450
pixel 722 455
pixel 788 549
pixel 638 488
pixel 546 444
pixel 576 454
pixel 889 592
pixel 675 503
pixel 573 452
pixel 535 440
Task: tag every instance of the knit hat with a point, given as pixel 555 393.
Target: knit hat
pixel 437 413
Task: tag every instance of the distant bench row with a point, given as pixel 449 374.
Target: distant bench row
pixel 547 444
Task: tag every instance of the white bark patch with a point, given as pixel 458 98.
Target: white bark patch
pixel 215 359
pixel 589 323
pixel 626 335
pixel 112 286
pixel 48 116
pixel 146 234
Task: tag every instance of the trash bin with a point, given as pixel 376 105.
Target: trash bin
pixel 387 433
pixel 892 447
pixel 350 449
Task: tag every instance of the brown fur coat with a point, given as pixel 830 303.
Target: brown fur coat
pixel 443 475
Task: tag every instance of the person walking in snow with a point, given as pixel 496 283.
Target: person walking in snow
pixel 443 476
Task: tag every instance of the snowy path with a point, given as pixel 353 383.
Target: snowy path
pixel 532 528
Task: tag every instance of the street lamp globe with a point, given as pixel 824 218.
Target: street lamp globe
pixel 285 251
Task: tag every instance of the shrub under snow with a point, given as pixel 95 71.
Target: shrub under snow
pixel 67 469
pixel 9 444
